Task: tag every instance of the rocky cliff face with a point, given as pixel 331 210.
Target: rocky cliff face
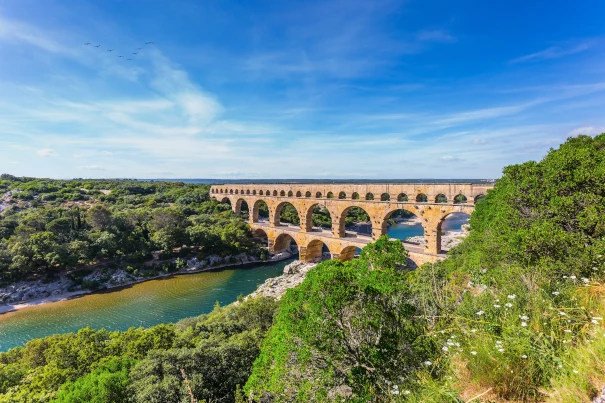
pixel 276 287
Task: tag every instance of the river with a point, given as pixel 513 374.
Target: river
pixel 156 301
pixel 145 304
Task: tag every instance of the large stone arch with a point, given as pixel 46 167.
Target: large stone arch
pixel 276 220
pixel 393 208
pixel 306 219
pixel 262 237
pixel 237 207
pixel 313 251
pixel 347 253
pixel 283 242
pixel 254 217
pixel 339 222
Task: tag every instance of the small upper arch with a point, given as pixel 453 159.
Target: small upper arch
pixel 355 196
pixel 254 192
pixel 318 195
pixel 369 196
pixel 290 193
pixel 342 195
pixel 441 198
pixel 308 194
pixel 402 197
pixel 422 198
pixel 479 198
pixel 460 199
pixel 282 193
pixel 330 195
pixel 385 197
pixel 275 193
pixel 298 194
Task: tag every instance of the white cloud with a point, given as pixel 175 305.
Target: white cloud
pixel 450 158
pixel 46 152
pixel 478 140
pixel 554 52
pixel 588 130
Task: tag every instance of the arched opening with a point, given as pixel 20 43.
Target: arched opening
pixel 248 191
pixel 460 199
pixel 355 196
pixel 260 211
pixel 479 198
pixel 260 193
pixel 453 229
pixel 317 218
pixel 385 197
pixel 348 253
pixel 357 220
pixel 275 193
pixel 318 195
pixel 261 237
pixel 290 193
pixel 308 194
pixel 236 191
pixel 282 193
pixel 342 195
pixel 241 208
pixel 285 214
pixel 226 200
pixel 254 192
pixel 422 198
pixel 369 196
pixel 285 243
pixel 330 195
pixel 404 225
pixel 441 198
pixel 317 251
pixel 402 197
pixel 230 191
pixel 298 194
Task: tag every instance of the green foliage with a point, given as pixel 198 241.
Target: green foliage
pixel 321 343
pixel 128 219
pixel 141 365
pixel 106 384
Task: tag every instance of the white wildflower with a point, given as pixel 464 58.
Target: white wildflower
pixel 556 293
pixel 501 350
pixel 508 305
pixel 524 356
pixel 496 306
pixel 444 348
pixel 572 277
pixel 562 313
pixel 473 352
pixel 567 330
pixel 428 363
pixel 575 371
pixel 524 317
pixel 480 313
pixel 406 392
pixel 512 296
pixel 523 324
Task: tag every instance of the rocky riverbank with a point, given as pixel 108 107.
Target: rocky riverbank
pixel 448 240
pixel 276 287
pixel 25 293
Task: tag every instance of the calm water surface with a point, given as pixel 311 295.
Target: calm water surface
pixel 145 304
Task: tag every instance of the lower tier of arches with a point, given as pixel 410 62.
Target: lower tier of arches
pixel 314 246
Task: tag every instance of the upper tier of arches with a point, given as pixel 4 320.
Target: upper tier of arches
pixel 469 195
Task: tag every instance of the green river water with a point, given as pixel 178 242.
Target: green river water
pixel 145 304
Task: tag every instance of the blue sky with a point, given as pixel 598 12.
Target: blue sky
pixel 306 89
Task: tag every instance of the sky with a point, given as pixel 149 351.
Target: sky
pixel 324 89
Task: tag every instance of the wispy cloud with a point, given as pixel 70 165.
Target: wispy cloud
pixel 436 35
pixel 555 52
pixel 588 130
pixel 46 152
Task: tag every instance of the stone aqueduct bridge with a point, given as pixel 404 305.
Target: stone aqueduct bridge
pixel 432 203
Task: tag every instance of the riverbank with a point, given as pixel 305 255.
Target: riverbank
pixel 276 287
pixel 30 293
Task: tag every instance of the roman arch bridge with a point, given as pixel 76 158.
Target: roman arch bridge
pixel 432 203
